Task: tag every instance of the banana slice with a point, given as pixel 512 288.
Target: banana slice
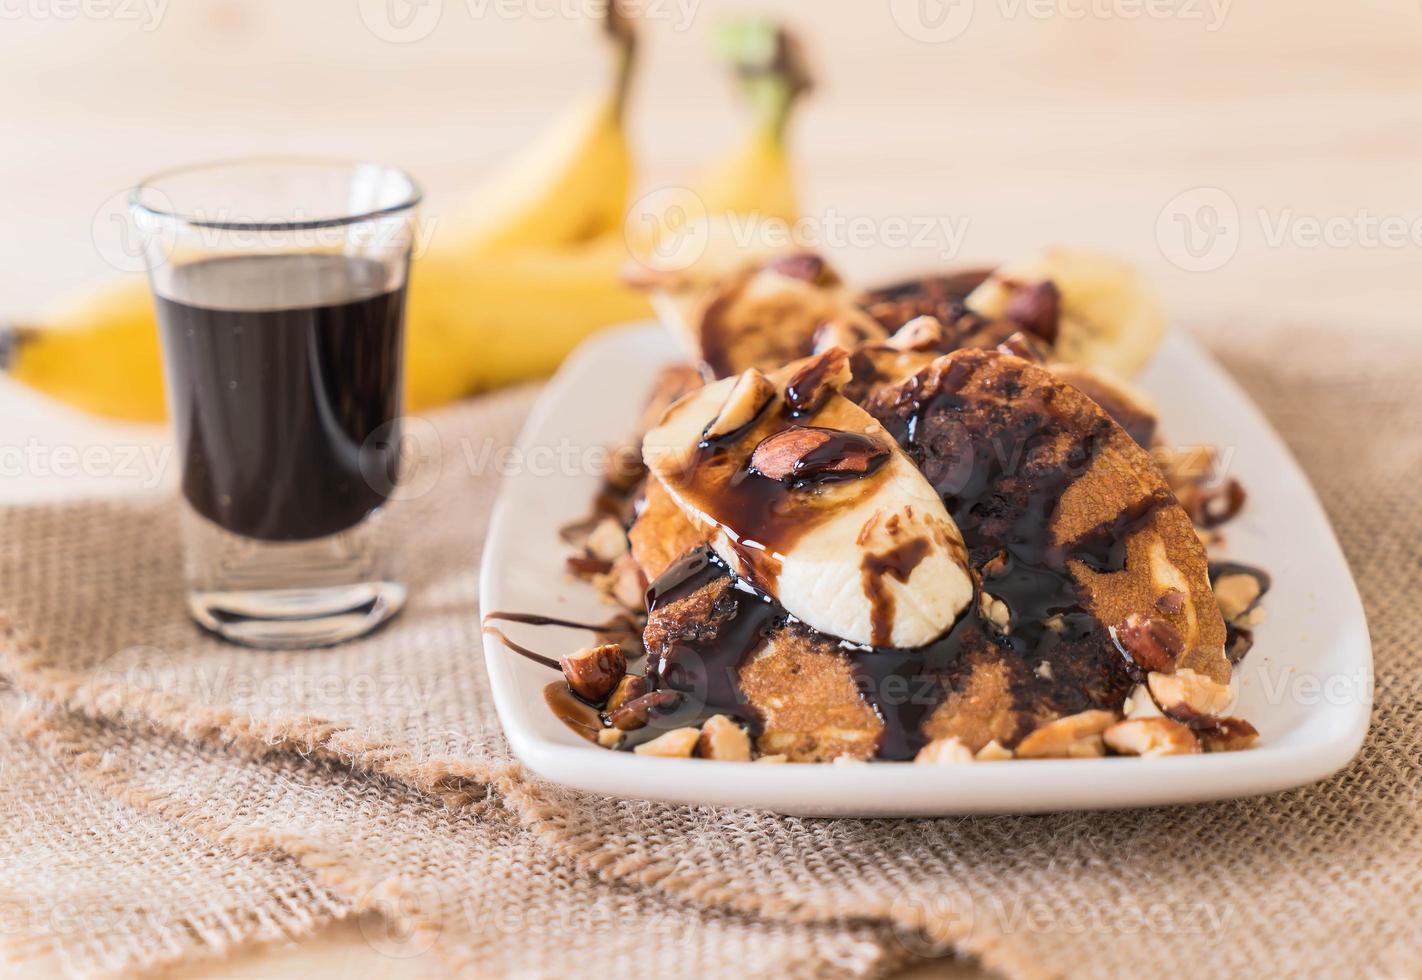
pixel 813 502
pixel 1110 317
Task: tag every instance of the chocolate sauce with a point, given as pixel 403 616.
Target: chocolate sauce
pixel 572 710
pixel 618 624
pixel 522 651
pixel 771 515
pixel 705 667
pixel 842 456
pixel 1001 453
pixel 899 564
pixel 284 388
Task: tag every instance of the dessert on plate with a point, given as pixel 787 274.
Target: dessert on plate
pixel 931 521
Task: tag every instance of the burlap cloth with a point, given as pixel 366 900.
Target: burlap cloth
pixel 1321 881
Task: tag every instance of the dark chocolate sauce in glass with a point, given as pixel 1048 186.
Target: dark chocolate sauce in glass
pixel 284 390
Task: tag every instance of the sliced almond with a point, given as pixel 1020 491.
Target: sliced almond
pixel 748 398
pixel 944 751
pixel 1188 696
pixel 678 743
pixel 775 759
pixel 791 454
pixel 722 739
pixel 1151 737
pixel 1075 736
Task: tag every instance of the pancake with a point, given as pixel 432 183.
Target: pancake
pixel 1074 541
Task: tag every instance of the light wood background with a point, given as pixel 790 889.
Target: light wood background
pixel 1115 123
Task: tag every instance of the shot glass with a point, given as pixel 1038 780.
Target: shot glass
pixel 280 294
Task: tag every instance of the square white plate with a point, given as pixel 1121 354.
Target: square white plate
pixel 1307 684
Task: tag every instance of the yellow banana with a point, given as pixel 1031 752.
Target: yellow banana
pixel 510 317
pixel 757 179
pixel 570 185
pixel 470 326
pixel 99 353
pixel 500 300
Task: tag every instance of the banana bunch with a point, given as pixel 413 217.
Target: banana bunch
pixel 517 276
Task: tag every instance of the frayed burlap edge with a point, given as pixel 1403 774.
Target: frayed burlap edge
pixel 392 898
pixel 34 673
pixel 30 670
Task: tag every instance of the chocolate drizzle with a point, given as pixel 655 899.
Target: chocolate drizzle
pixel 776 512
pixel 1002 460
pixel 899 564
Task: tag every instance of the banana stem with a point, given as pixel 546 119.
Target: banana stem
pixel 10 340
pixel 620 29
pixel 770 67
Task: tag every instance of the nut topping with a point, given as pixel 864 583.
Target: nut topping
pixel 593 673
pixel 608 541
pixel 944 751
pixel 922 333
pixel 1027 347
pixel 1171 601
pixel 675 744
pixel 804 266
pixel 611 738
pixel 844 331
pixel 995 611
pixel 1188 696
pixel 993 752
pixel 748 398
pixel 804 453
pixel 630 688
pixel 724 740
pixel 1073 737
pixel 1228 735
pixel 1151 737
pixel 1236 595
pixel 1149 643
pixel 1037 306
pixel 820 377
pixel 635 713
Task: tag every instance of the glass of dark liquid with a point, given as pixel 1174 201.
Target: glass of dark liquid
pixel 280 293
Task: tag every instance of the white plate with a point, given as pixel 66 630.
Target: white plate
pixel 1307 684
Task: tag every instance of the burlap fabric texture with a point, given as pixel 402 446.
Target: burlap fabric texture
pixel 1321 881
